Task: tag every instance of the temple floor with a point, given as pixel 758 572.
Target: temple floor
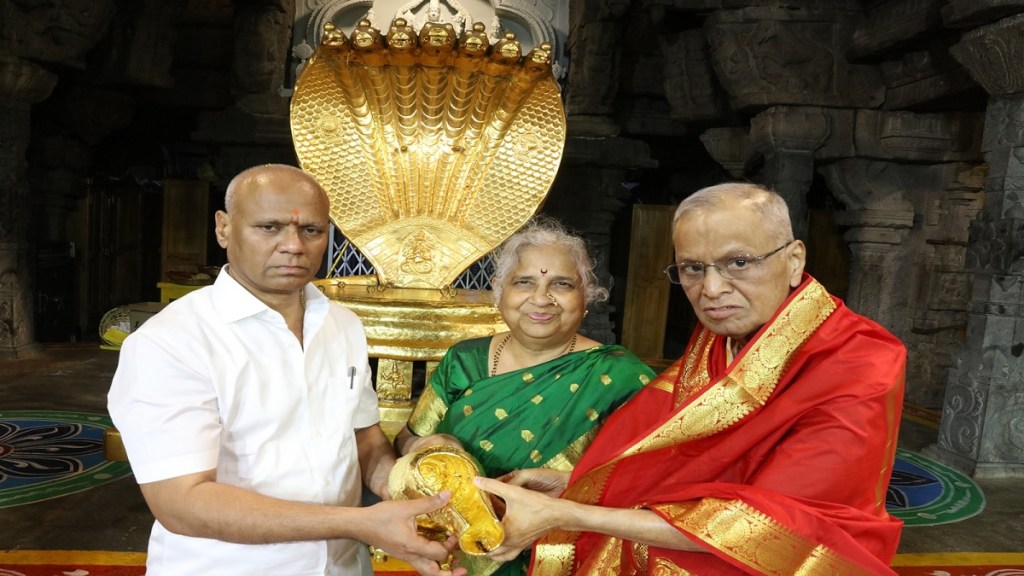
pixel 114 517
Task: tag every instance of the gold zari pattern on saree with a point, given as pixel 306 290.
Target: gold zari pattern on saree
pixel 755 539
pixel 566 459
pixel 665 567
pixel 554 554
pixel 606 559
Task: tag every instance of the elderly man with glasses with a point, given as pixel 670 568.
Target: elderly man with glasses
pixel 766 449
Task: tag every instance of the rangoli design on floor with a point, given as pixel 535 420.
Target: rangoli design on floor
pixel 46 454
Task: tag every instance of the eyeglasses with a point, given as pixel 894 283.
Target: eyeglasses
pixel 730 268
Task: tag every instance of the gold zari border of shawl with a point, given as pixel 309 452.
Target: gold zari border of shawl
pixel 755 539
pixel 753 378
pixel 746 387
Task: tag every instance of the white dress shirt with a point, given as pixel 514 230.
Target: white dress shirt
pixel 217 380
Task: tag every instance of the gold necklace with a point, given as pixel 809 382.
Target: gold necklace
pixel 501 346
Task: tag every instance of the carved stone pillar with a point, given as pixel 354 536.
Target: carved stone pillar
pixel 22 84
pixel 587 196
pixel 984 402
pixel 595 29
pixel 879 217
pixel 730 147
pixel 260 111
pixel 788 136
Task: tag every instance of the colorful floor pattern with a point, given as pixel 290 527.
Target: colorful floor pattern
pixel 923 492
pixel 99 563
pixel 46 454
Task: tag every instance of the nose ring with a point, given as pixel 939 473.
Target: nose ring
pixel 552 298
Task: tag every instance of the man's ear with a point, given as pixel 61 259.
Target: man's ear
pixel 796 259
pixel 222 227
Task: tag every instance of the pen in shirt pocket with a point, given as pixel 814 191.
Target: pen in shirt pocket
pixel 351 376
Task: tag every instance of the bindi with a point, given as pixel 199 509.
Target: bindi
pixel 543 271
pixel 295 216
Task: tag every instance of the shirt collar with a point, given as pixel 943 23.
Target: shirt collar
pixel 234 302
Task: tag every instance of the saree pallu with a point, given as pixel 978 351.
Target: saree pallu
pixel 541 416
pixel 776 463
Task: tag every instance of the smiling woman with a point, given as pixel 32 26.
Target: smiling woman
pixel 535 396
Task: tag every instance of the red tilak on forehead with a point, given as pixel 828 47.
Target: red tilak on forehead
pixel 295 216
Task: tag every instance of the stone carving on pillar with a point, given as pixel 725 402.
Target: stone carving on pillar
pixel 918 137
pixel 908 230
pixel 259 114
pixel 141 44
pixel 595 30
pixel 730 147
pixel 923 76
pixel 787 137
pixel 993 53
pixel 983 409
pixel 59 32
pixel 689 81
pixel 879 217
pixel 51 32
pixel 772 55
pixel 22 84
pixel 972 13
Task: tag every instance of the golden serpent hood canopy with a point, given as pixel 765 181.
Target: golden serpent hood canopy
pixel 433 149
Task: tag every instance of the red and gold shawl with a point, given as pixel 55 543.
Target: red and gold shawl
pixel 776 463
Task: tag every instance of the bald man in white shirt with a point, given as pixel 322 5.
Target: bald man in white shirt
pixel 248 413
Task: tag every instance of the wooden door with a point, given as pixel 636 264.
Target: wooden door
pixel 647 288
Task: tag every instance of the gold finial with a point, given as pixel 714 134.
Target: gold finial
pixel 332 36
pixel 365 37
pixel 508 48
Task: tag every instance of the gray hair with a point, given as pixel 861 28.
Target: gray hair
pixel 542 232
pixel 767 203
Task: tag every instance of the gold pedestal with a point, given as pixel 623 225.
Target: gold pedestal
pixel 408 325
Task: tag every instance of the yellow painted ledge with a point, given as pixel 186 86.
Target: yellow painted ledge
pixel 102 557
pixel 960 559
pixel 95 557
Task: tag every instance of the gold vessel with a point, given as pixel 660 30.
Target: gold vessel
pixel 469 514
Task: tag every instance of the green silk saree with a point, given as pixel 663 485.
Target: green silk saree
pixel 542 416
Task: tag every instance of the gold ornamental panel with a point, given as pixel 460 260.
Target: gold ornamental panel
pixel 433 149
pixel 414 323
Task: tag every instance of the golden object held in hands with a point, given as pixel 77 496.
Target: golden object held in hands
pixel 469 514
pixel 433 149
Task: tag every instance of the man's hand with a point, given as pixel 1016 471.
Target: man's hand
pixel 545 480
pixel 529 515
pixel 391 527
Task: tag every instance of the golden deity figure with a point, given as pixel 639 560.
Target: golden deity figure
pixel 469 515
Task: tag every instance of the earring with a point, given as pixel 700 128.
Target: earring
pixel 585 312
